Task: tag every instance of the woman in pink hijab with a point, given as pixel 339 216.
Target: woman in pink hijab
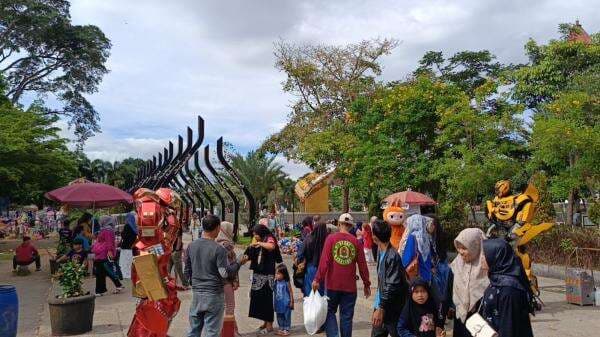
pixel 105 251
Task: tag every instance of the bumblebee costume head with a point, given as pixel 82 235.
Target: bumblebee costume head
pixel 502 188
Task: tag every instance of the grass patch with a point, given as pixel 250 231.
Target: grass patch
pixel 244 240
pixel 6 256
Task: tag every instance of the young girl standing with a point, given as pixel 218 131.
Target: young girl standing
pixel 420 317
pixel 283 300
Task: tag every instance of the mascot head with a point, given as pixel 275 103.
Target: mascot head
pixel 394 215
pixel 502 188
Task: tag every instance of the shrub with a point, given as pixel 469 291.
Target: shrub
pixel 555 246
pixel 70 277
pixel 594 212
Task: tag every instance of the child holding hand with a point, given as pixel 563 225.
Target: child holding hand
pixel 283 298
pixel 419 316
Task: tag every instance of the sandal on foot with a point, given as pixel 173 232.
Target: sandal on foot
pixel 265 331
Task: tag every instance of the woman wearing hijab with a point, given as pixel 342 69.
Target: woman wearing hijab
pixel 129 232
pixel 469 279
pixel 128 239
pixel 312 254
pixel 104 252
pixel 225 239
pixel 415 248
pixel 419 317
pixel 507 301
pixel 439 261
pixel 263 255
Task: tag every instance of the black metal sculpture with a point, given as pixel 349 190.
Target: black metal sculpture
pixel 240 183
pixel 173 169
pixel 223 184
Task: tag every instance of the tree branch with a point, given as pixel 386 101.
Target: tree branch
pixel 4 57
pixel 14 63
pixel 18 91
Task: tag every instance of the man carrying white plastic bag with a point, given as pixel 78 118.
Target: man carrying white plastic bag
pixel 337 267
pixel 315 312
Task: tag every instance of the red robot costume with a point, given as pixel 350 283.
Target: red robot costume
pixel 157 229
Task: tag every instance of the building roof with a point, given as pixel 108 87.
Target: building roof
pixel 578 34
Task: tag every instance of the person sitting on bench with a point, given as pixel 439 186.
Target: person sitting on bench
pixel 26 254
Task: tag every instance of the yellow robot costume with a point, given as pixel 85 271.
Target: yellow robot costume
pixel 510 217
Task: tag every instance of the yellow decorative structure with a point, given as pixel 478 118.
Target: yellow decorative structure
pixel 511 217
pixel 313 191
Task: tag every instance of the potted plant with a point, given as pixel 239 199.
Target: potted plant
pixel 71 312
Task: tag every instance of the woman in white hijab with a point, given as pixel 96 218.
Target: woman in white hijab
pixel 225 239
pixel 470 277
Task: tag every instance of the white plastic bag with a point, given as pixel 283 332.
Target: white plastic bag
pixel 315 312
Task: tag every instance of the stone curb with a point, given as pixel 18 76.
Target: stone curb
pixel 558 272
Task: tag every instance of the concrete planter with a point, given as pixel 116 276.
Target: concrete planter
pixel 71 316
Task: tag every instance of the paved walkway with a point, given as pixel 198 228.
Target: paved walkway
pixel 113 313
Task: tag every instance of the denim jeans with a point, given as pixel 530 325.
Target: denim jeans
pixel 345 301
pixel 206 314
pixel 284 320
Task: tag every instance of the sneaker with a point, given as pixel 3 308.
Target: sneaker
pixel 118 290
pixel 38 269
pixel 99 294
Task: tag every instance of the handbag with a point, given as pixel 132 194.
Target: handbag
pixel 412 270
pixel 298 276
pixel 478 326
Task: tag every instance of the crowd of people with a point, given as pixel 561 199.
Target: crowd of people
pixel 30 222
pixel 417 291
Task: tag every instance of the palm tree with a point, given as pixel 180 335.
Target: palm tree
pixel 260 173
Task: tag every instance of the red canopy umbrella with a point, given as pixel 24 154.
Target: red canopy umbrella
pixel 84 194
pixel 408 198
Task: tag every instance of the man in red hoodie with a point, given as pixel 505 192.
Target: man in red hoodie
pixel 341 253
pixel 26 254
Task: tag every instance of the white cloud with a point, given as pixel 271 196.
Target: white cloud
pixel 174 60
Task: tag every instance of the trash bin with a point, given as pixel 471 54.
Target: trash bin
pixel 9 311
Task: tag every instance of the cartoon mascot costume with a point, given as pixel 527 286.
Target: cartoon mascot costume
pixel 395 216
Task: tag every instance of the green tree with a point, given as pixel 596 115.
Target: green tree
pixel 260 174
pixel 466 69
pixel 551 68
pixel 42 52
pixel 561 84
pixel 325 80
pixel 566 140
pixel 479 147
pixel 395 136
pixel 34 158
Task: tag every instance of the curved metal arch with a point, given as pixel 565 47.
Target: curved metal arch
pixel 240 183
pixel 193 184
pixel 207 182
pixel 223 184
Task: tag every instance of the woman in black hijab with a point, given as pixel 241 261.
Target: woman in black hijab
pixel 508 300
pixel 263 255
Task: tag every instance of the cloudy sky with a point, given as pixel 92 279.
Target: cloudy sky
pixel 172 60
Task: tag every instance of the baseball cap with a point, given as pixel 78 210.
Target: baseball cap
pixel 346 218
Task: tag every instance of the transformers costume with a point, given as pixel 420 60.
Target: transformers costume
pixel 510 217
pixel 157 292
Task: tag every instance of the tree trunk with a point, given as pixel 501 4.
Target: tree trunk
pixel 473 213
pixel 571 207
pixel 346 198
